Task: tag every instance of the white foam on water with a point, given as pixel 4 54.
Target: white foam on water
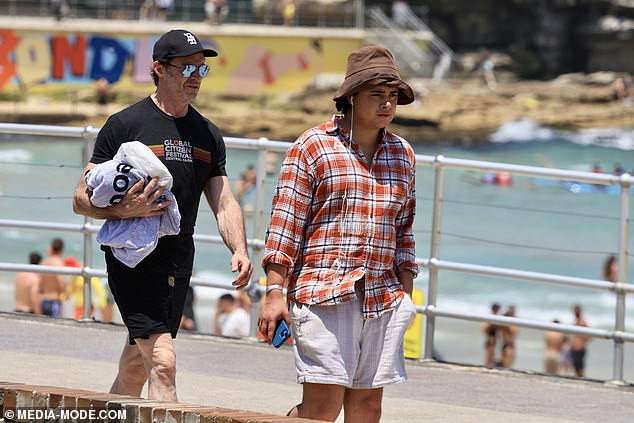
pixel 15 155
pixel 527 130
pixel 521 130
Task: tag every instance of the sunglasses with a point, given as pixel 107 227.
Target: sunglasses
pixel 188 70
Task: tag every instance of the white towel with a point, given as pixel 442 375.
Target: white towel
pixel 131 240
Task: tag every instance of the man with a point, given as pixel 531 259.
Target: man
pixel 53 287
pixel 490 330
pixel 578 343
pixel 230 319
pixel 555 342
pixel 508 333
pixel 341 233
pixel 27 289
pixel 151 296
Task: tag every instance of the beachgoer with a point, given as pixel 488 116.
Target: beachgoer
pixel 102 92
pixel 188 320
pixel 618 170
pixel 60 9
pixel 53 287
pixel 624 89
pixel 490 330
pixel 400 12
pixel 341 233
pixel 578 343
pixel 108 310
pixel 245 189
pixel 611 269
pixel 230 319
pixel 216 11
pixel 193 150
pixel 147 10
pixel 508 334
pixel 487 72
pixel 27 289
pixel 565 365
pixel 555 342
pixel 163 8
pixel 75 291
pixel 288 9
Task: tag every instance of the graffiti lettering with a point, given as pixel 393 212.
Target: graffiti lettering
pixel 7 44
pixel 63 51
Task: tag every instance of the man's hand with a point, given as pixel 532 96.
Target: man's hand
pixel 272 309
pixel 140 201
pixel 240 262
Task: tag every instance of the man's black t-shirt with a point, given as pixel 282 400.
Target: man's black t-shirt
pixel 191 148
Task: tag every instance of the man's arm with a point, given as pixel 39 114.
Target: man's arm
pixel 405 256
pixel 137 202
pixel 406 278
pixel 231 226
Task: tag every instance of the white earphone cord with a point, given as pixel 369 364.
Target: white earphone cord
pixel 344 219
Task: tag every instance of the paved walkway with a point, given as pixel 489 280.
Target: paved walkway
pixel 245 374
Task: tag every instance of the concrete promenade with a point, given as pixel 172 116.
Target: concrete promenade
pixel 249 375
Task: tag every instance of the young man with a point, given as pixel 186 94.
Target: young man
pixel 27 289
pixel 151 296
pixel 230 319
pixel 578 343
pixel 53 287
pixel 341 234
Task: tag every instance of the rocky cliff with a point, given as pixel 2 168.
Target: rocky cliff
pixel 544 38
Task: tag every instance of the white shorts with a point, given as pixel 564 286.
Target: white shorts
pixel 335 345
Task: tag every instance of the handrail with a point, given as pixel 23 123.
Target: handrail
pixel 526 276
pixel 408 54
pixel 433 263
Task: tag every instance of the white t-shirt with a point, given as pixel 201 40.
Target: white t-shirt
pixel 235 324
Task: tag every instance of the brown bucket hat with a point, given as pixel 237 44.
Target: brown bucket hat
pixel 373 65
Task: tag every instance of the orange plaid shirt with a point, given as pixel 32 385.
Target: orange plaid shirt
pixel 334 220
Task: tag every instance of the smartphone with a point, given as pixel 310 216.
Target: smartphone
pixel 282 333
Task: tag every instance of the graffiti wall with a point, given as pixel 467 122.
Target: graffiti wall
pixel 246 65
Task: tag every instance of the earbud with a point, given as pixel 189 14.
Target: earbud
pixel 352 100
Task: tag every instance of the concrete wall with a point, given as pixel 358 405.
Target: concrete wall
pixel 255 60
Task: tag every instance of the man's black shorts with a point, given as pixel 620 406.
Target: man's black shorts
pixel 578 357
pixel 149 301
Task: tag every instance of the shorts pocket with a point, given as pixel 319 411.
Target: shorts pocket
pixel 408 308
pixel 299 312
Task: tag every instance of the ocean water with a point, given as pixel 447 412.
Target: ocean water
pixel 529 225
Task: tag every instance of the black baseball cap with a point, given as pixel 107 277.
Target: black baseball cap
pixel 179 43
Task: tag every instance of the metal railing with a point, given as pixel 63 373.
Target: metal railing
pixel 434 263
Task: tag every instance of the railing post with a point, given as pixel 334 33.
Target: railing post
pixel 258 232
pixel 623 239
pixel 87 259
pixel 432 287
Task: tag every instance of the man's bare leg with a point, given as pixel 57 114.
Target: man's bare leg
pixel 159 359
pixel 132 375
pixel 320 402
pixel 362 405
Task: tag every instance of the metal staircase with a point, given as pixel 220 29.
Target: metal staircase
pixel 418 51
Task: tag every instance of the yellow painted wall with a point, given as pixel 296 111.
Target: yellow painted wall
pixel 251 64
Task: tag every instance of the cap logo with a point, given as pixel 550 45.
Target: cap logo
pixel 190 38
